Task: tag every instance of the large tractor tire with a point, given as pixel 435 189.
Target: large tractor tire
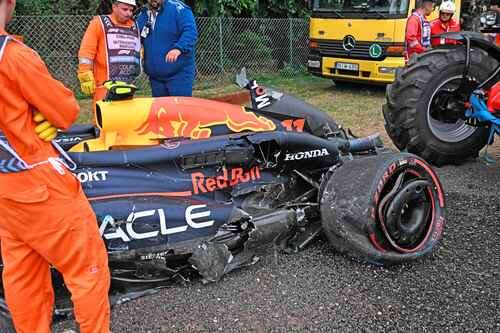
pixel 385 209
pixel 416 111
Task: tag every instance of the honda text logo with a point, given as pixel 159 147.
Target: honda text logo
pixel 348 43
pixel 307 154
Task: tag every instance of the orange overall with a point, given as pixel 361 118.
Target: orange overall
pixel 45 218
pixel 93 47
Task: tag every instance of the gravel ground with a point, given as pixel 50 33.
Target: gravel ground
pixel 457 289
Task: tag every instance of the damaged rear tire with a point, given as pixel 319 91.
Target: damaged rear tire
pixel 384 209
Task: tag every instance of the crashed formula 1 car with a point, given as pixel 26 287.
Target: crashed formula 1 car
pixel 180 183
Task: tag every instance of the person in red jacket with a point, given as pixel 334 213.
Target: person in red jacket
pixel 495 6
pixel 418 30
pixel 444 23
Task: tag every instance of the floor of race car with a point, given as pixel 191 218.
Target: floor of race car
pixel 456 289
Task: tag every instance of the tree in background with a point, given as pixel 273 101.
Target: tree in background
pixel 228 8
pixel 252 8
pixel 56 7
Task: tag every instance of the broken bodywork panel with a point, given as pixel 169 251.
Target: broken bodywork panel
pixel 176 194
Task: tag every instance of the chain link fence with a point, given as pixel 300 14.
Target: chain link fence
pixel 225 45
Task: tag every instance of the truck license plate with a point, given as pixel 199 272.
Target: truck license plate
pixel 347 66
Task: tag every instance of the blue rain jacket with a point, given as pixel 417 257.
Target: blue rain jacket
pixel 175 28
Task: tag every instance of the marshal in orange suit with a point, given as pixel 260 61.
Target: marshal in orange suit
pixel 110 50
pixel 45 218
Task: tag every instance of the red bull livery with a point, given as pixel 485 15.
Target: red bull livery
pixel 187 185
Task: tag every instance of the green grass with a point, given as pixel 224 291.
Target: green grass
pixel 85 116
pixel 354 106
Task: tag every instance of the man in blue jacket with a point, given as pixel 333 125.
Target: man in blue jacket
pixel 169 35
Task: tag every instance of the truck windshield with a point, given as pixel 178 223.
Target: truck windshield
pixel 375 7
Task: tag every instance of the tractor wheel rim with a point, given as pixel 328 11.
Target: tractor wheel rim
pixel 448 132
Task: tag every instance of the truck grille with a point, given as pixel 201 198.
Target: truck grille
pixel 334 48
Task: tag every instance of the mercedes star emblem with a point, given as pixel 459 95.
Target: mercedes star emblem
pixel 348 43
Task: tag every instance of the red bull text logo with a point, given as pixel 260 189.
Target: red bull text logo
pixel 192 118
pixel 228 178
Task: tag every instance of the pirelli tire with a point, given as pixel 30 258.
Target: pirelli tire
pixel 408 113
pixel 386 209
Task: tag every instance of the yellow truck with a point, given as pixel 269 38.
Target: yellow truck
pixel 359 40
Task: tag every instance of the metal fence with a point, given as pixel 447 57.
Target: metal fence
pixel 225 45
